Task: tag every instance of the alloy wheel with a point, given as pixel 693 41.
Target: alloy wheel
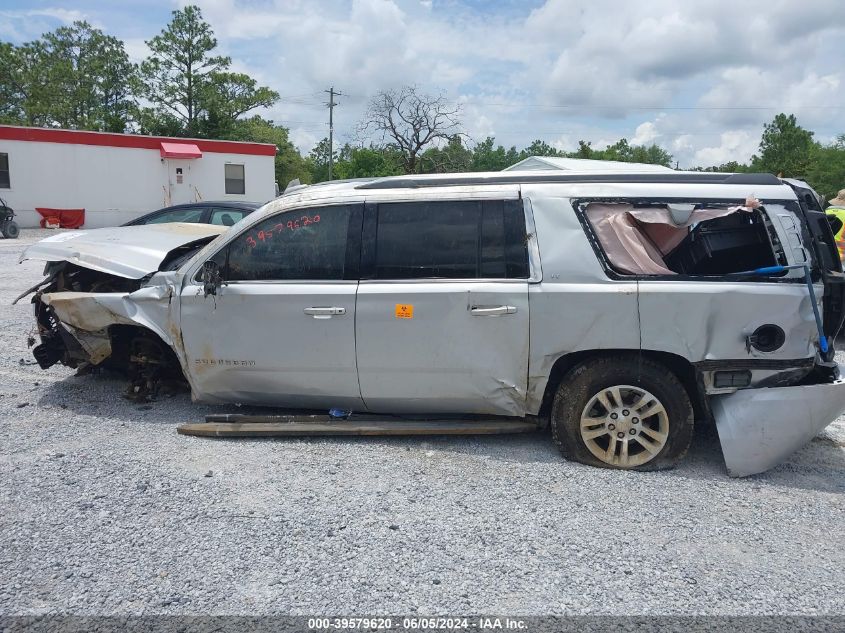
pixel 624 426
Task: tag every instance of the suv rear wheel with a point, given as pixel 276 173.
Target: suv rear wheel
pixel 622 412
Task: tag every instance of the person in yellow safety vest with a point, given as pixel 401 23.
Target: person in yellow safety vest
pixel 837 210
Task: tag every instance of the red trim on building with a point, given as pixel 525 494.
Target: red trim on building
pixel 180 150
pixel 137 141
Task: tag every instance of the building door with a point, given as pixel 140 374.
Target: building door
pixel 281 330
pixel 181 188
pixel 442 320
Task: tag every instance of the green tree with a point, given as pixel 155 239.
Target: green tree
pixel 826 169
pixel 226 97
pixel 623 151
pixel 89 75
pixel 289 163
pixel 368 162
pixel 651 154
pixel 24 87
pixel 785 148
pixel 452 157
pixel 620 150
pixel 411 122
pixel 487 156
pixel 74 77
pixel 585 150
pixel 319 160
pixel 175 77
pixel 731 166
pixel 539 148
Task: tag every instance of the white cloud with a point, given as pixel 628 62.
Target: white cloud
pixel 734 145
pixel 565 143
pixel 29 24
pixel 233 20
pixel 302 140
pixel 136 48
pixel 698 78
pixel 682 144
pixel 750 94
pixel 645 134
pixel 66 16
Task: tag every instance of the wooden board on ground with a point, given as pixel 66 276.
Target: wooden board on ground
pixel 318 426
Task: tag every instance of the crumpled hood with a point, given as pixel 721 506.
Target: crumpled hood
pixel 126 251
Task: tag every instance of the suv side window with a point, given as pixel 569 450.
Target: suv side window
pixel 451 239
pixel 303 244
pixel 504 240
pixel 427 239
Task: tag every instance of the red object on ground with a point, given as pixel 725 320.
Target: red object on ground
pixel 180 150
pixel 68 218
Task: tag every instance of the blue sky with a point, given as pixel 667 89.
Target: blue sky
pixel 698 78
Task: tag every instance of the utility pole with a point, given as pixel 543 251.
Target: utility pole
pixel 331 104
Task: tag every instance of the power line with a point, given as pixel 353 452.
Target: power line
pixel 314 94
pixel 311 123
pixel 620 106
pixel 331 105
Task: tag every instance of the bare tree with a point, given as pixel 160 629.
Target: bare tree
pixel 410 121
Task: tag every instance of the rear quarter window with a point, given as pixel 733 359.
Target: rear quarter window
pixel 690 238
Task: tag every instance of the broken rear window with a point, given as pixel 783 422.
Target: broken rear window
pixel 688 238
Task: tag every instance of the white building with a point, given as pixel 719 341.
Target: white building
pixel 536 163
pixel 117 177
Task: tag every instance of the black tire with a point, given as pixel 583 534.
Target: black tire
pixel 11 230
pixel 583 383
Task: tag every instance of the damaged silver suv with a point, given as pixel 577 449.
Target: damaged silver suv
pixel 616 308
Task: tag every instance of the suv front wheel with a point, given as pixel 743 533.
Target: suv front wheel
pixel 622 412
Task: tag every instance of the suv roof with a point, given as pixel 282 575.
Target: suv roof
pixel 419 181
pixel 552 176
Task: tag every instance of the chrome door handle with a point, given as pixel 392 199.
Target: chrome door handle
pixel 493 311
pixel 325 313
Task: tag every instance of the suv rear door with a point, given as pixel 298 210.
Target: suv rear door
pixel 442 306
pixel 699 296
pixel 821 239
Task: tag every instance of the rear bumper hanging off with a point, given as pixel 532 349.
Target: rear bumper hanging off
pixel 760 428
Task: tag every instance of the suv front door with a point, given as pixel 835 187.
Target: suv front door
pixel 442 309
pixel 280 330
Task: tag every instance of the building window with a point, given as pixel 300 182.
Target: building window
pixel 235 179
pixel 5 182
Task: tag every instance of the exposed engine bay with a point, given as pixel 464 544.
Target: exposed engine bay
pixel 77 328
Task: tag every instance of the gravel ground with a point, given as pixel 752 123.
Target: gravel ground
pixel 105 509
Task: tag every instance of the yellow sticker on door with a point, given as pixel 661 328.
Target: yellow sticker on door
pixel 404 311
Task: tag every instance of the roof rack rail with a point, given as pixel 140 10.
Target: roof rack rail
pixel 515 178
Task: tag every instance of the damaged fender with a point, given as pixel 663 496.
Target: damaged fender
pixel 760 428
pixel 88 315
